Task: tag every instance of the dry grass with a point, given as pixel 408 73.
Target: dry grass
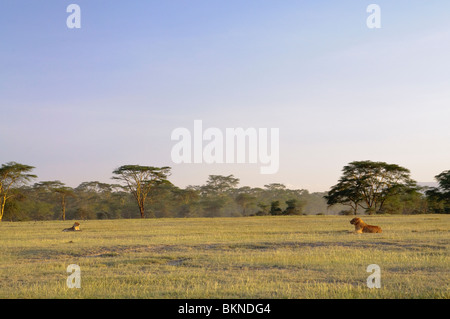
pixel 258 257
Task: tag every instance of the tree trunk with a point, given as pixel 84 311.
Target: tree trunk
pixel 63 208
pixel 142 210
pixel 2 208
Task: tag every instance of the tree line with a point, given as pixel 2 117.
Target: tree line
pixel 379 187
pixel 145 191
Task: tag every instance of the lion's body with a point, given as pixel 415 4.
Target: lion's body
pixel 362 227
pixel 75 227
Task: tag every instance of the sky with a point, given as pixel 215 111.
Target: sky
pixel 78 103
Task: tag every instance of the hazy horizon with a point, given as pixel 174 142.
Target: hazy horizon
pixel 78 103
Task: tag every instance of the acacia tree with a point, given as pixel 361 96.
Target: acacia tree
pixel 12 175
pixel 63 193
pixel 368 185
pixel 219 185
pixel 140 180
pixel 60 189
pixel 441 195
pixel 345 192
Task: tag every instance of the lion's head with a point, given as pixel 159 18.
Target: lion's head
pixel 355 221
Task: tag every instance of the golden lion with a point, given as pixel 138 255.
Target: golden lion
pixel 362 227
pixel 75 227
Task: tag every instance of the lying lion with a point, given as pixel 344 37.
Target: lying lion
pixel 75 227
pixel 362 227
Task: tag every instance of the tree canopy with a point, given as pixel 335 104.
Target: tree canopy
pixel 60 189
pixel 368 185
pixel 12 175
pixel 440 196
pixel 140 180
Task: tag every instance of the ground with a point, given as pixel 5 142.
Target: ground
pixel 246 257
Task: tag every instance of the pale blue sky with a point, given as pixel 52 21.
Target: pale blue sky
pixel 77 103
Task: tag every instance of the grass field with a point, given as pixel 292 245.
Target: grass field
pixel 256 257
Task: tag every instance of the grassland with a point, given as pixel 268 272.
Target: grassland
pixel 257 257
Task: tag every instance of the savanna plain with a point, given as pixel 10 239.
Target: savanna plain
pixel 270 257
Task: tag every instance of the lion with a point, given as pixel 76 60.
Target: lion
pixel 75 227
pixel 362 227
